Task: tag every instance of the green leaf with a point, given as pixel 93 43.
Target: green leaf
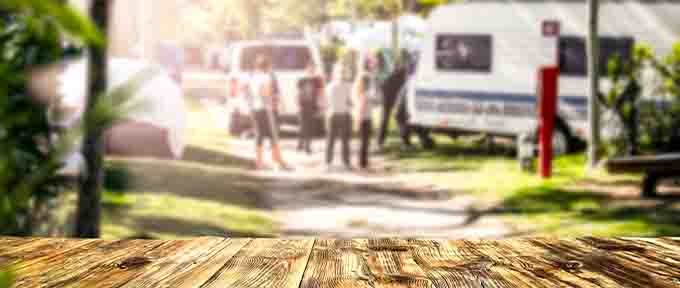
pixel 614 67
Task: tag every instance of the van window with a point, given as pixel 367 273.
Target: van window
pixel 464 52
pixel 573 55
pixel 291 57
pixel 283 57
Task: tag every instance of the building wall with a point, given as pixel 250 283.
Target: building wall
pixel 138 27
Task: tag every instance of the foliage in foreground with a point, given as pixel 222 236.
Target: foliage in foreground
pixel 31 36
pixel 6 279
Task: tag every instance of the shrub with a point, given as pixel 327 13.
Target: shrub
pixel 31 35
pixel 645 99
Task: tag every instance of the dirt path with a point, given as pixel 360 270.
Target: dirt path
pixel 313 202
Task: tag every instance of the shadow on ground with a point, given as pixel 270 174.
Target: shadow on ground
pixel 628 215
pixel 207 156
pixel 437 160
pixel 186 179
pixel 183 227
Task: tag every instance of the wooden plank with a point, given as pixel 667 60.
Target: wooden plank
pixel 12 241
pixel 599 264
pixel 10 246
pixel 549 267
pixel 190 267
pixel 364 263
pixel 391 264
pixel 34 249
pixel 509 263
pixel 642 262
pixel 461 264
pixel 117 271
pixel 337 263
pixel 265 263
pixel 68 268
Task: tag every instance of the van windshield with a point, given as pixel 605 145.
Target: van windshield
pixel 284 58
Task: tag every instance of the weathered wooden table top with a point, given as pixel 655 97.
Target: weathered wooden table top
pixel 220 262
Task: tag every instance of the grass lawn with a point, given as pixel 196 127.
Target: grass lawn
pixel 574 202
pixel 203 194
pixel 161 215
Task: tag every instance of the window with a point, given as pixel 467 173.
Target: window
pixel 290 57
pixel 249 54
pixel 456 52
pixel 573 55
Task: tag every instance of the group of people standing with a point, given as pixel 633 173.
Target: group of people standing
pixel 346 103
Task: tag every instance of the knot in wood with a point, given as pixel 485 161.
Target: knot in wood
pixel 570 265
pixel 133 262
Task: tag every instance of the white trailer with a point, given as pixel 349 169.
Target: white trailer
pixel 478 66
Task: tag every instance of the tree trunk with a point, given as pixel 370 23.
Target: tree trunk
pixel 594 82
pixel 395 42
pixel 89 198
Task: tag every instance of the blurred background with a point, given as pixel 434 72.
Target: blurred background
pixel 177 155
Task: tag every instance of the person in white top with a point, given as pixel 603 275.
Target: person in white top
pixel 364 87
pixel 262 104
pixel 339 117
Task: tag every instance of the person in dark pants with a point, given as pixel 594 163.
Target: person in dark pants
pixel 263 103
pixel 394 93
pixel 340 120
pixel 310 92
pixel 405 129
pixel 363 89
pixel 391 89
pixel 402 119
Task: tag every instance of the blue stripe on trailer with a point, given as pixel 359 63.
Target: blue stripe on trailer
pixel 494 96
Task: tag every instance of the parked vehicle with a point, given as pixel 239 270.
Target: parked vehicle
pixel 480 76
pixel 289 59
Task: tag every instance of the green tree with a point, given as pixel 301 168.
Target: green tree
pixel 662 128
pixel 297 14
pixel 31 36
pixel 624 97
pixel 424 7
pixel 648 126
pixel 209 20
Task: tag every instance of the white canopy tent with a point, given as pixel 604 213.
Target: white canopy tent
pixel 156 120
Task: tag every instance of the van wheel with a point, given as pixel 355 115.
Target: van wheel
pixel 425 138
pixel 561 141
pixel 453 136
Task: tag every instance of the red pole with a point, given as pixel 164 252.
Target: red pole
pixel 548 81
pixel 548 75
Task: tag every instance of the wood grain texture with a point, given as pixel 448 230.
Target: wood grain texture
pixel 75 266
pixel 265 263
pixel 24 253
pixel 191 266
pixel 364 263
pixel 117 269
pixel 375 263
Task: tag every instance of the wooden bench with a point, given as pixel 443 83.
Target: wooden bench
pixel 655 168
pixel 223 262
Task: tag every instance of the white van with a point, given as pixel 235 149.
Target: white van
pixel 289 59
pixel 478 67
